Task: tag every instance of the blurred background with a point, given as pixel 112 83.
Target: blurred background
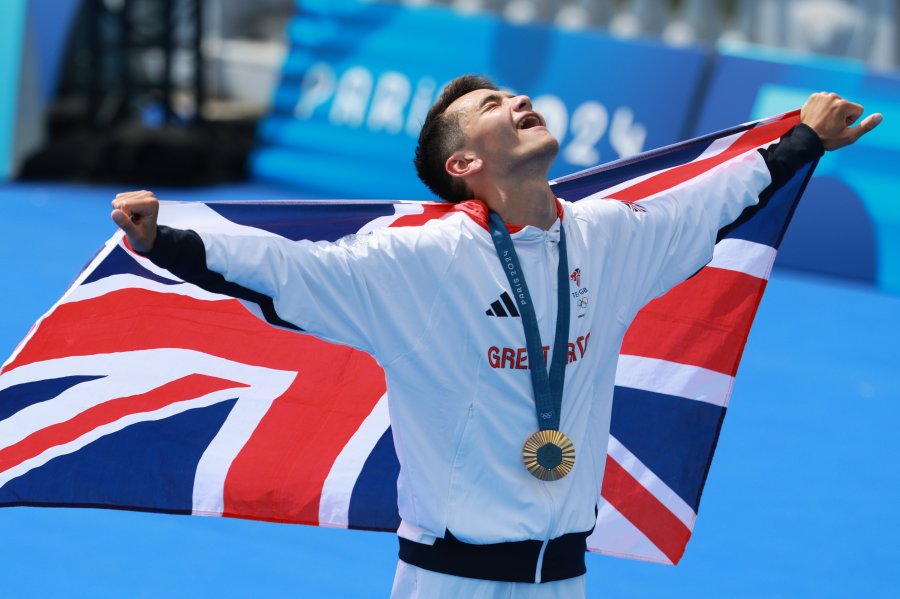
pixel 274 99
pixel 282 97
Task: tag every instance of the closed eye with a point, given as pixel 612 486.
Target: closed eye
pixel 491 101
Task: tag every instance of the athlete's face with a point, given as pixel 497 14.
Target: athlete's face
pixel 504 130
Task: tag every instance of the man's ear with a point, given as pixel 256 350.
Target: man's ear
pixel 463 163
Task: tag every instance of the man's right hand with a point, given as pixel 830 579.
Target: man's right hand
pixel 135 212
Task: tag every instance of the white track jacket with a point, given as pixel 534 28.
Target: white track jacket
pixel 459 393
pixel 427 302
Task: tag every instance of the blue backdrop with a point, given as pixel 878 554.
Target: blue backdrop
pixel 360 77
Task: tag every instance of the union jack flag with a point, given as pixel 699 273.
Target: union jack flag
pixel 139 391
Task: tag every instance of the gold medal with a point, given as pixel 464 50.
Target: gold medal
pixel 548 455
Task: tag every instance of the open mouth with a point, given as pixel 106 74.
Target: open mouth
pixel 529 121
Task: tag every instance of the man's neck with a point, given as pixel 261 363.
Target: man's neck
pixel 527 202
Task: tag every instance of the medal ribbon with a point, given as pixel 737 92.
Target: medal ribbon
pixel 548 389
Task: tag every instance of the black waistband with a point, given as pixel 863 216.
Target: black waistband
pixel 515 561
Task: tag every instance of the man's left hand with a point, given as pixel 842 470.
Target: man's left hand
pixel 832 117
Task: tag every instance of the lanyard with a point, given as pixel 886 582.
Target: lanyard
pixel 548 390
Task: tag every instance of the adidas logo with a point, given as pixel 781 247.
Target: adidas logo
pixel 497 308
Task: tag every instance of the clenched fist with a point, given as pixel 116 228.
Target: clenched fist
pixel 831 117
pixel 135 212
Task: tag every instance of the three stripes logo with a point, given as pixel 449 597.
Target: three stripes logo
pixel 505 306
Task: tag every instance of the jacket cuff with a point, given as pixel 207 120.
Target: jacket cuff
pixel 804 144
pixel 799 146
pixel 177 249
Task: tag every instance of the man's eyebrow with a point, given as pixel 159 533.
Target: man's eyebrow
pixel 496 97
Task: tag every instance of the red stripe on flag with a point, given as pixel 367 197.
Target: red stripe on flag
pixel 431 211
pixel 645 511
pixel 158 320
pixel 189 387
pixel 702 322
pixel 335 389
pixel 675 176
pixel 280 472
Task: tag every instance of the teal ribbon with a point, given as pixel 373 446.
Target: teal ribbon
pixel 548 389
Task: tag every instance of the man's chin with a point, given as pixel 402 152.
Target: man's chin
pixel 547 150
pixel 554 143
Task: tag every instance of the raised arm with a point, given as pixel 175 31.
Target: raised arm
pixel 826 123
pixel 372 291
pixel 673 234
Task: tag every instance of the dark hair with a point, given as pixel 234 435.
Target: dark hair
pixel 441 135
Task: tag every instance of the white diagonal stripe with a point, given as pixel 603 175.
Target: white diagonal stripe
pixel 127 374
pixel 671 378
pixel 615 535
pixel 648 479
pixel 334 507
pixel 124 374
pixel 123 282
pixel 248 411
pixel 748 257
pixel 112 427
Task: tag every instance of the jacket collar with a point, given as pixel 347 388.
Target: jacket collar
pixel 478 212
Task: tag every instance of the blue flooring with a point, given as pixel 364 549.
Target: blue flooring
pixel 800 501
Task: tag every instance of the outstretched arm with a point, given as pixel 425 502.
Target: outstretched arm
pixel 179 251
pixel 373 292
pixel 674 234
pixel 826 123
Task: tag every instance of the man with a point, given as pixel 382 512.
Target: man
pixel 501 462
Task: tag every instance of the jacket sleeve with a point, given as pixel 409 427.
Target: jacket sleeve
pixel 664 239
pixel 800 146
pixel 373 292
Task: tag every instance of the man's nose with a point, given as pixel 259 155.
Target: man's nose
pixel 522 103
